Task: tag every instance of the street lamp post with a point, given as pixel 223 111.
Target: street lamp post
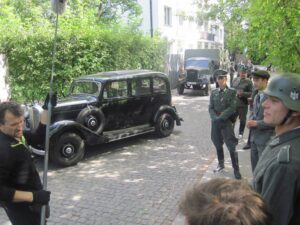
pixel 151 20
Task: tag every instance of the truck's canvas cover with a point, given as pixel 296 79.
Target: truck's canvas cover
pixel 213 54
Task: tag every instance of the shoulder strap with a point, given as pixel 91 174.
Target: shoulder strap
pixel 284 154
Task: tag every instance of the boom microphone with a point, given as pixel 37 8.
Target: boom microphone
pixel 58 6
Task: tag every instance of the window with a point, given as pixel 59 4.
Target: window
pixel 85 87
pixel 198 63
pixel 210 37
pixel 115 89
pixel 203 35
pixel 205 26
pixel 168 16
pixel 181 19
pixel 200 44
pixel 140 87
pixel 159 85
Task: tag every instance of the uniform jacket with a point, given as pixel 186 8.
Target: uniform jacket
pixel 277 177
pixel 246 86
pixel 222 104
pixel 263 132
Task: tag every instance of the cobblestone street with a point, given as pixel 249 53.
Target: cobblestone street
pixel 135 181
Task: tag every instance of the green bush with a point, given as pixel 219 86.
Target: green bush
pixel 80 51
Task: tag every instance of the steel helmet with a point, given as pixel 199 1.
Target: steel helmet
pixel 286 87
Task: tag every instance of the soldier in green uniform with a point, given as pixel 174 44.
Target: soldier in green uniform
pixel 277 173
pixel 221 107
pixel 243 87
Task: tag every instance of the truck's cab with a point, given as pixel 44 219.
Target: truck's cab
pixel 198 74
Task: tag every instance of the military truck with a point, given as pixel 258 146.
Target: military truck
pixel 199 65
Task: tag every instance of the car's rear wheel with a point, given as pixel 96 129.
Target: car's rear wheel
pixel 180 89
pixel 67 150
pixel 164 125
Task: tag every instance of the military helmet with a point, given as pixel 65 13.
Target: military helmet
pixel 286 87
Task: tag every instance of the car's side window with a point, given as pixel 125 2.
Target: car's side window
pixel 85 87
pixel 140 86
pixel 159 85
pixel 115 89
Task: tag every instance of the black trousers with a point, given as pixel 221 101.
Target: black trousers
pixel 22 214
pixel 242 114
pixel 221 134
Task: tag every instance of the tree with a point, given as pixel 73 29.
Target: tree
pixel 107 11
pixel 271 34
pixel 87 42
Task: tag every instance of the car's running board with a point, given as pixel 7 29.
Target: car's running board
pixel 128 132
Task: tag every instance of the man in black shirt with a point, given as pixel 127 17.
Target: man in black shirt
pixel 21 191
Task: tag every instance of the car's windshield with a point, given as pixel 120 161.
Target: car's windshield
pixel 198 63
pixel 85 87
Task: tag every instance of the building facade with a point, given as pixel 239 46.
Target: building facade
pixel 177 21
pixel 4 87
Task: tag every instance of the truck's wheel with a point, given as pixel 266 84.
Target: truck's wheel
pixel 180 89
pixel 164 126
pixel 68 150
pixel 187 86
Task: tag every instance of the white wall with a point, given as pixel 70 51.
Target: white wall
pixel 182 36
pixel 4 89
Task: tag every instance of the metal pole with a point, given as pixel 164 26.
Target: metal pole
pixel 151 20
pixel 47 138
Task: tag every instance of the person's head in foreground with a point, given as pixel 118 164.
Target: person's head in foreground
pixel 224 201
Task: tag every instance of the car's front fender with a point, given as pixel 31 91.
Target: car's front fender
pixel 59 127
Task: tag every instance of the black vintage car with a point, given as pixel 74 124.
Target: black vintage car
pixel 105 107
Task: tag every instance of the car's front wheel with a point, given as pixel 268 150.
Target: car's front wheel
pixel 164 125
pixel 68 150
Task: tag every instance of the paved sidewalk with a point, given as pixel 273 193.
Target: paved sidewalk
pixel 245 169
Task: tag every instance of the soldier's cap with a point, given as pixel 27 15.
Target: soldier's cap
pixel 261 73
pixel 220 73
pixel 244 69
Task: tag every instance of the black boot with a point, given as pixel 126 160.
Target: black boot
pixel 237 174
pixel 219 167
pixel 248 145
pixel 235 165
